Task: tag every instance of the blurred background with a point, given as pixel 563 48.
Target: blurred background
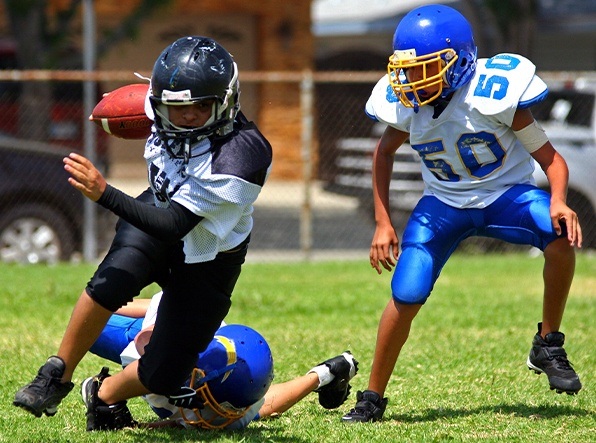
pixel 306 70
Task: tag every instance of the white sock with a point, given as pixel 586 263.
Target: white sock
pixel 325 376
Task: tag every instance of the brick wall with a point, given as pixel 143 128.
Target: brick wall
pixel 282 42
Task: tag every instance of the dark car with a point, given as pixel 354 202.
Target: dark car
pixel 41 215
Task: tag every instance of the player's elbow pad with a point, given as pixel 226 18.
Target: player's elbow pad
pixel 532 137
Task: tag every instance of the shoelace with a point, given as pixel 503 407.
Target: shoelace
pixel 41 382
pixel 365 407
pixel 560 356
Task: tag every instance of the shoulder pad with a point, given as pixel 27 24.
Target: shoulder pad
pixel 534 93
pixel 246 154
pixel 502 82
pixel 384 106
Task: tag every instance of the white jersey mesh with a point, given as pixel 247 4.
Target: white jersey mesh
pixel 224 200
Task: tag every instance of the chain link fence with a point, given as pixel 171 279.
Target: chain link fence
pixel 327 212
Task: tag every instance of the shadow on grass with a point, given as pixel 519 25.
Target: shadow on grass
pixel 518 410
pixel 247 435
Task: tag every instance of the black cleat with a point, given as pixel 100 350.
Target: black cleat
pixel 101 416
pixel 369 407
pixel 548 356
pixel 344 367
pixel 46 391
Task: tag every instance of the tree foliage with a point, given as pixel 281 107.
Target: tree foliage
pixel 49 37
pixel 508 24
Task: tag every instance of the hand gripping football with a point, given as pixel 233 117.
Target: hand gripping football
pixel 121 113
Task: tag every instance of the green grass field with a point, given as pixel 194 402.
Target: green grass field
pixel 461 377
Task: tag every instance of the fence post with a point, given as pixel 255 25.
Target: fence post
pixel 306 105
pixel 90 145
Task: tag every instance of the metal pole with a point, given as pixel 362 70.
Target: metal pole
pixel 89 88
pixel 306 105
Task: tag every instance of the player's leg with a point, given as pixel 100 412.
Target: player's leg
pixel 392 333
pixel 433 232
pixel 282 396
pixel 522 216
pixel 332 373
pixel 53 381
pixel 119 331
pixel 192 308
pixel 193 305
pixel 334 376
pixel 559 268
pixel 195 300
pixel 88 316
pixel 134 260
pixel 100 415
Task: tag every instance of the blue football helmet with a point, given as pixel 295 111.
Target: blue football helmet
pixel 233 373
pixel 437 40
pixel 190 70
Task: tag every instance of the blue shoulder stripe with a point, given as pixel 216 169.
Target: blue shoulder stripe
pixel 369 115
pixel 528 103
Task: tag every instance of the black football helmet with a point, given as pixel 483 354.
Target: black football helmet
pixel 192 69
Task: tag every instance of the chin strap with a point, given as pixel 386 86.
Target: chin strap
pixel 186 150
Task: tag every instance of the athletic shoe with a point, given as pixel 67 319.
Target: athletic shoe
pixel 548 356
pixel 46 391
pixel 101 416
pixel 369 407
pixel 344 367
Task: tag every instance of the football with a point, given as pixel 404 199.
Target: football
pixel 121 113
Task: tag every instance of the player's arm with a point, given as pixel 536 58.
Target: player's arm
pixel 137 308
pixel 532 136
pixel 385 245
pixel 167 224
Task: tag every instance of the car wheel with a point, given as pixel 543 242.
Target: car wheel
pixel 35 234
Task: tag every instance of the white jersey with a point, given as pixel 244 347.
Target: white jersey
pixel 160 404
pixel 218 184
pixel 470 155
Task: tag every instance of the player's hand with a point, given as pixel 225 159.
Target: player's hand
pixel 84 176
pixel 384 249
pixel 559 211
pixel 186 397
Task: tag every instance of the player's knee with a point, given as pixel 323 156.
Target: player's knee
pixel 164 380
pixel 110 296
pixel 162 385
pixel 410 291
pixel 410 298
pixel 559 250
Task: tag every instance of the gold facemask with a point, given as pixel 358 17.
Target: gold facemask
pixel 407 91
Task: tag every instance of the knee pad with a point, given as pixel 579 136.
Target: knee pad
pixel 414 277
